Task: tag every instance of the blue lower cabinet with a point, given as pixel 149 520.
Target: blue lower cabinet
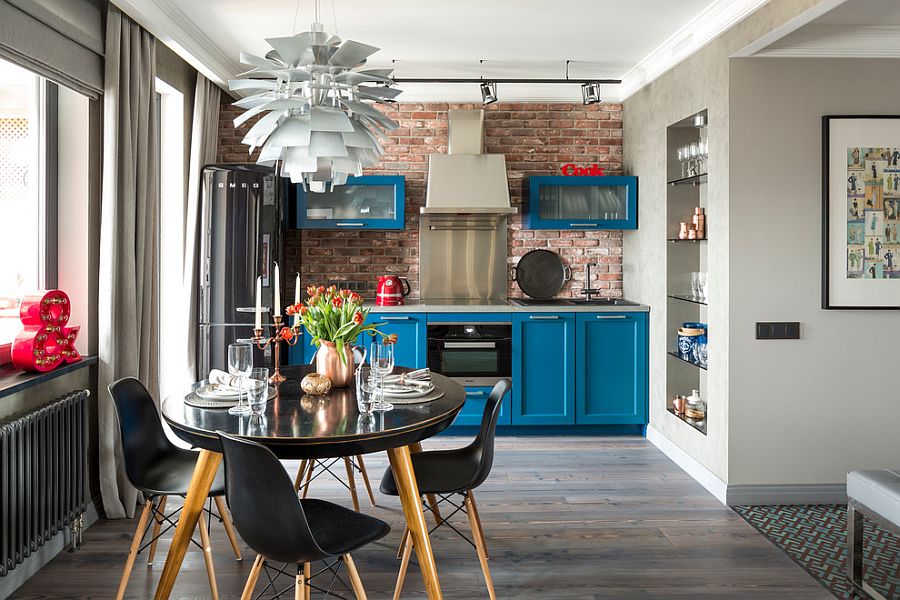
pixel 411 349
pixel 611 363
pixel 472 411
pixel 543 369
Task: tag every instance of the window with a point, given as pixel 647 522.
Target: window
pixel 27 192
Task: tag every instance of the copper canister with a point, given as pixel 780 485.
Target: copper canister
pixel 683 231
pixel 699 221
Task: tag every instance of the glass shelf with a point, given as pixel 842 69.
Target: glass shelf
pixel 681 240
pixel 690 362
pixel 688 298
pixel 692 180
pixel 699 425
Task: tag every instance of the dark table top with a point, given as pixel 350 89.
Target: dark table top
pixel 296 425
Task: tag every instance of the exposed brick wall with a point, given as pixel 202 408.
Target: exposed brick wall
pixel 537 138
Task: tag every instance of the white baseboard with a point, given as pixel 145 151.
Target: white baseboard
pixel 810 493
pixel 689 464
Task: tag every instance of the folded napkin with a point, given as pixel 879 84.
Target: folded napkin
pixel 224 379
pixel 419 378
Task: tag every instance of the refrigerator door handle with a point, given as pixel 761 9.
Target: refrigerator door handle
pixel 250 309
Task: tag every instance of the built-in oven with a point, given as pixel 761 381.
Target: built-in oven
pixel 474 354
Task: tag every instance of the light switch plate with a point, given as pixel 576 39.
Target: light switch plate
pixel 778 330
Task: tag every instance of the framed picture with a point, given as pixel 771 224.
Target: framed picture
pixel 861 212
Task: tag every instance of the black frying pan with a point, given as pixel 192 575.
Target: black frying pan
pixel 541 274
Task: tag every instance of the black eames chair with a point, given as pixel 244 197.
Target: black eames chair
pixel 447 473
pixel 284 529
pixel 351 464
pixel 159 469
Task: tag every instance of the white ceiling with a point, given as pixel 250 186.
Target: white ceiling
pixel 634 40
pixel 853 28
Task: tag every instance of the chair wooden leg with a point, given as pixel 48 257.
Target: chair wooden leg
pixel 365 476
pixel 229 528
pixel 251 580
pixel 300 587
pixel 298 480
pixel 202 479
pixel 351 481
pixel 307 575
pixel 407 549
pixel 479 547
pixel 160 512
pixel 135 546
pixel 355 580
pixel 309 474
pixel 480 533
pixel 403 541
pixel 207 557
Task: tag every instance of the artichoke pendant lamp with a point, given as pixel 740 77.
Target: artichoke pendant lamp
pixel 319 124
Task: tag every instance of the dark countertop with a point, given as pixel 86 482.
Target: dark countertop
pixel 13 381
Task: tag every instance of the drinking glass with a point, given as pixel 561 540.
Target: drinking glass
pixel 701 285
pixel 366 391
pixel 381 359
pixel 701 354
pixel 681 159
pixel 694 153
pixel 695 284
pixel 240 363
pixel 258 390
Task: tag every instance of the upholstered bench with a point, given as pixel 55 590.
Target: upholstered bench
pixel 874 494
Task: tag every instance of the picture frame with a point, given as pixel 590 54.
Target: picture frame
pixel 861 212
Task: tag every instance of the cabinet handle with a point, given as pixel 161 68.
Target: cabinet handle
pixel 250 341
pixel 611 317
pixel 543 317
pixel 470 345
pixel 349 224
pixel 479 393
pixel 582 224
pixel 250 309
pixel 394 318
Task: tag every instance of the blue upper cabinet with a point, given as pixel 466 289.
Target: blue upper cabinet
pixel 561 202
pixel 543 369
pixel 411 348
pixel 611 367
pixel 368 202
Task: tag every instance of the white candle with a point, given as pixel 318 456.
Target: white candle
pixel 277 310
pixel 258 324
pixel 297 301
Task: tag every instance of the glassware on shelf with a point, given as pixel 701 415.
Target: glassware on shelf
pixel 682 158
pixel 695 284
pixel 702 289
pixel 240 363
pixel 700 352
pixel 381 359
pixel 694 154
pixel 258 390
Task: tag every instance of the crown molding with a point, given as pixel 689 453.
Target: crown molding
pixel 714 20
pixel 836 41
pixel 172 27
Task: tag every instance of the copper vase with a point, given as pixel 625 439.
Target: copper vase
pixel 328 362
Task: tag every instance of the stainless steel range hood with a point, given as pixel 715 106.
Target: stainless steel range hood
pixel 466 181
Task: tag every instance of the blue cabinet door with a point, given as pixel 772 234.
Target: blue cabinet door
pixel 411 348
pixel 586 203
pixel 543 369
pixel 367 202
pixel 473 409
pixel 611 362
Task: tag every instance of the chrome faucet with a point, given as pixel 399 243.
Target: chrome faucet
pixel 588 290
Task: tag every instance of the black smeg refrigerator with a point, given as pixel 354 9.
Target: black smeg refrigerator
pixel 241 220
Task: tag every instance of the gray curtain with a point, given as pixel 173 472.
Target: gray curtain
pixel 204 138
pixel 128 304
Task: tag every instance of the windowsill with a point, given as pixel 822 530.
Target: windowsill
pixel 13 380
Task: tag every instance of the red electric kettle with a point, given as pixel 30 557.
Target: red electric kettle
pixel 391 290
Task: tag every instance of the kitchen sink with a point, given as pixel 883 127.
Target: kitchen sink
pixel 602 302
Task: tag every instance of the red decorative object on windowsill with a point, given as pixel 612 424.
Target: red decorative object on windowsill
pixel 45 342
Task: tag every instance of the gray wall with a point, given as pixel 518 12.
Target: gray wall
pixel 807 411
pixel 701 81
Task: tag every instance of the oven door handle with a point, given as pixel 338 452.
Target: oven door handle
pixel 470 344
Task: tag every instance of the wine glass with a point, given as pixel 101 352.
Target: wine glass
pixel 240 363
pixel 681 158
pixel 365 390
pixel 258 390
pixel 381 358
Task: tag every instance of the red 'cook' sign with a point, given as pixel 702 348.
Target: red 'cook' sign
pixel 571 169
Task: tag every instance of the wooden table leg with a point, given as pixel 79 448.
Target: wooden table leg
pixel 408 490
pixel 351 483
pixel 201 482
pixel 432 499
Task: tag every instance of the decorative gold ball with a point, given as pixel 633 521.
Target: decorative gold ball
pixel 316 384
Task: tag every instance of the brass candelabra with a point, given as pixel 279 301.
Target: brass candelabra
pixel 288 335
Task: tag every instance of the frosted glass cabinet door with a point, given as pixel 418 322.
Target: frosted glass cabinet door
pixel 561 202
pixel 368 202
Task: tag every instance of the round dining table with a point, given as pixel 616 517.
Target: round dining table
pixel 299 426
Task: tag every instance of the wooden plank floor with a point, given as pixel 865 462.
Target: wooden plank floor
pixel 582 518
